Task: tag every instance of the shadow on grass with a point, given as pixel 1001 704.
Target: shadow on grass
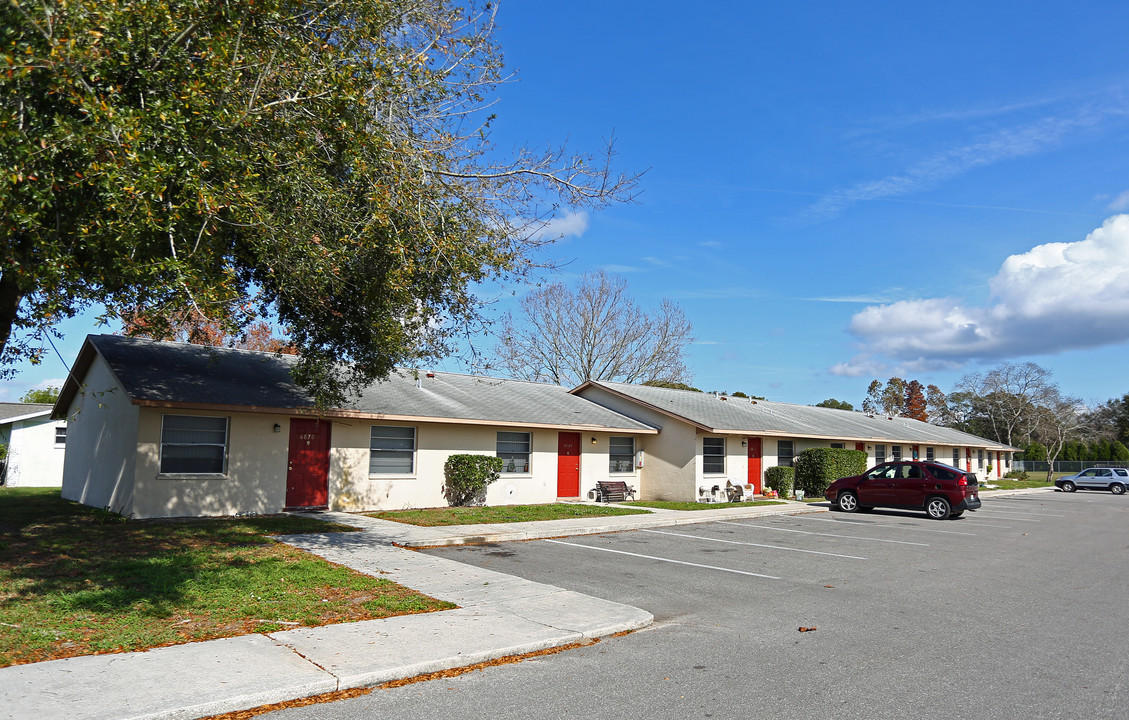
pixel 86 559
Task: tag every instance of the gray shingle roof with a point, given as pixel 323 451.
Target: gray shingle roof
pixel 763 417
pixel 10 411
pixel 163 373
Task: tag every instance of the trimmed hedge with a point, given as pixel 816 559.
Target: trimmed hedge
pixel 780 479
pixel 467 478
pixel 819 467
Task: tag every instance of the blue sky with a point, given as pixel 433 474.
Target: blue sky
pixel 837 192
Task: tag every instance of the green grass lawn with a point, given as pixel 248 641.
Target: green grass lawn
pixel 76 580
pixel 1033 481
pixel 672 505
pixel 434 517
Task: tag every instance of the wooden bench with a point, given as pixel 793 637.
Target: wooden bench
pixel 613 491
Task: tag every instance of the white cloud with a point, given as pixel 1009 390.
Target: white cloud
pixel 1055 297
pixel 571 224
pixel 1120 203
pixel 1006 144
pixel 51 382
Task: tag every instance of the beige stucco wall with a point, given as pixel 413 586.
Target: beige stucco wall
pixel 98 468
pixel 669 469
pixel 255 481
pixel 353 488
pixel 256 469
pixel 34 460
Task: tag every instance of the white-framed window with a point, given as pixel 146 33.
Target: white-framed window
pixel 514 449
pixel 392 450
pixel 193 445
pixel 879 454
pixel 713 456
pixel 980 458
pixel 929 454
pixel 621 454
pixel 60 435
pixel 895 452
pixel 956 457
pixel 785 453
pixel 838 446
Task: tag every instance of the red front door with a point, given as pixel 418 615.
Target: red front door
pixel 307 473
pixel 755 464
pixel 568 464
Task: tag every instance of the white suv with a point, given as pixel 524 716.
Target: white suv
pixel 1113 479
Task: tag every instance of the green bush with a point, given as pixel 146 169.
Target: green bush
pixel 1016 475
pixel 780 479
pixel 468 476
pixel 819 467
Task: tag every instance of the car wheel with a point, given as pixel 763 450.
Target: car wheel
pixel 1117 489
pixel 848 502
pixel 956 513
pixel 1068 486
pixel 938 508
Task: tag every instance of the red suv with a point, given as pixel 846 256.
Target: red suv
pixel 941 491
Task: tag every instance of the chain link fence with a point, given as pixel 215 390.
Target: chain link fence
pixel 1063 466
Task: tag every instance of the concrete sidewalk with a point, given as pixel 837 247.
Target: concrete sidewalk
pixel 498 615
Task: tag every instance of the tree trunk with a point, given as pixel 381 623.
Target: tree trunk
pixel 10 297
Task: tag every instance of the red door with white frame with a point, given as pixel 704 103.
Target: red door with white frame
pixel 307 471
pixel 755 464
pixel 568 464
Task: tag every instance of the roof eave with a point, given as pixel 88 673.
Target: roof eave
pixel 344 414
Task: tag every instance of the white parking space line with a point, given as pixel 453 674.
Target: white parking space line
pixel 738 542
pixel 973 523
pixel 876 523
pixel 1019 512
pixel 834 535
pixel 1010 516
pixel 652 557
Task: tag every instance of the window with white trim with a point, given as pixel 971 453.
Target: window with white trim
pixel 837 446
pixel 60 435
pixel 193 445
pixel 879 454
pixel 785 453
pixel 980 458
pixel 929 454
pixel 895 452
pixel 621 454
pixel 514 449
pixel 392 450
pixel 713 456
pixel 956 457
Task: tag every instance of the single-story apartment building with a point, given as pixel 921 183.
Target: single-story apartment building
pixel 35 443
pixel 161 429
pixel 707 439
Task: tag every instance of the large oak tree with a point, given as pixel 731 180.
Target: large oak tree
pixel 325 164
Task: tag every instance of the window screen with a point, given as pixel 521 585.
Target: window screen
pixel 193 445
pixel 392 450
pixel 513 448
pixel 621 454
pixel 713 455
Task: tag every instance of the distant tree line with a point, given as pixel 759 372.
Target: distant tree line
pixel 1018 404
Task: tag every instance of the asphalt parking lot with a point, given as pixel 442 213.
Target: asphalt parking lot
pixel 1014 611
